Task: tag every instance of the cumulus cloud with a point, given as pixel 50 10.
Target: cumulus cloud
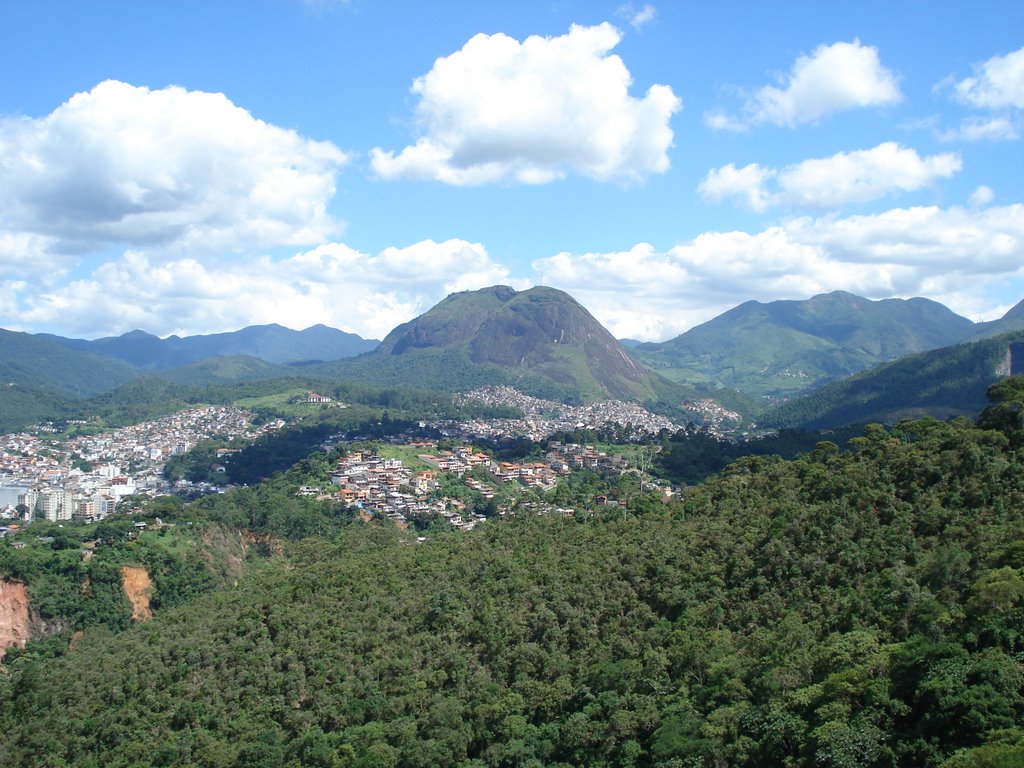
pixel 952 255
pixel 829 182
pixel 747 185
pixel 833 78
pixel 331 284
pixel 533 112
pixel 172 168
pixel 24 255
pixel 996 84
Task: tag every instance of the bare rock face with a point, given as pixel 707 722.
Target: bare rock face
pixel 137 588
pixel 14 618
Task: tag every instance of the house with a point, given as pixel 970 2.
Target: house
pixel 315 398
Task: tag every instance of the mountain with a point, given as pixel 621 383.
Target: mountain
pixel 786 347
pixel 941 383
pixel 540 340
pixel 36 361
pixel 271 343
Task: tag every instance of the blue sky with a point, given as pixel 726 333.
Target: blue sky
pixel 194 167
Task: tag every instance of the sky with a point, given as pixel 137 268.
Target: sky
pixel 189 167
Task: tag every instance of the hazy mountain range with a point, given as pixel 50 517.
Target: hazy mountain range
pixel 542 341
pixel 272 343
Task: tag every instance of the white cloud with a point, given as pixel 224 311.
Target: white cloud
pixel 956 256
pixel 331 284
pixel 533 112
pixel 24 255
pixel 174 168
pixel 831 182
pixel 967 258
pixel 996 84
pixel 981 196
pixel 833 78
pixel 748 185
pixel 637 18
pixel 983 129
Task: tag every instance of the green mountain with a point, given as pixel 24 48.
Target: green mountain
pixel 941 383
pixel 539 340
pixel 786 347
pixel 272 343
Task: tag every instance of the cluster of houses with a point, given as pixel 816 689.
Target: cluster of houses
pixel 388 488
pixel 385 487
pixel 543 418
pixel 568 456
pixel 463 459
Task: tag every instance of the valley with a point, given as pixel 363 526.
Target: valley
pixel 352 571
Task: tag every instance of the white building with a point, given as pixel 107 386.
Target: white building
pixel 54 504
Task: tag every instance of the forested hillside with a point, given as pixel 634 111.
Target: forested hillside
pixel 859 608
pixel 942 383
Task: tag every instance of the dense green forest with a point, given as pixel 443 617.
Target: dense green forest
pixel 846 608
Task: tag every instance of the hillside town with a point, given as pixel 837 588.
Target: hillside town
pixel 84 477
pixel 386 487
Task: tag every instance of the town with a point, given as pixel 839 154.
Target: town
pixel 84 477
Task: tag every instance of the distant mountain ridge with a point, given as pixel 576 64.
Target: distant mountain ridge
pixel 787 347
pixel 543 342
pixel 271 343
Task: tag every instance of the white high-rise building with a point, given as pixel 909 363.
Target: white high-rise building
pixel 54 504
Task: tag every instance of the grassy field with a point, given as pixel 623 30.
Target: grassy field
pixel 281 403
pixel 407 454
